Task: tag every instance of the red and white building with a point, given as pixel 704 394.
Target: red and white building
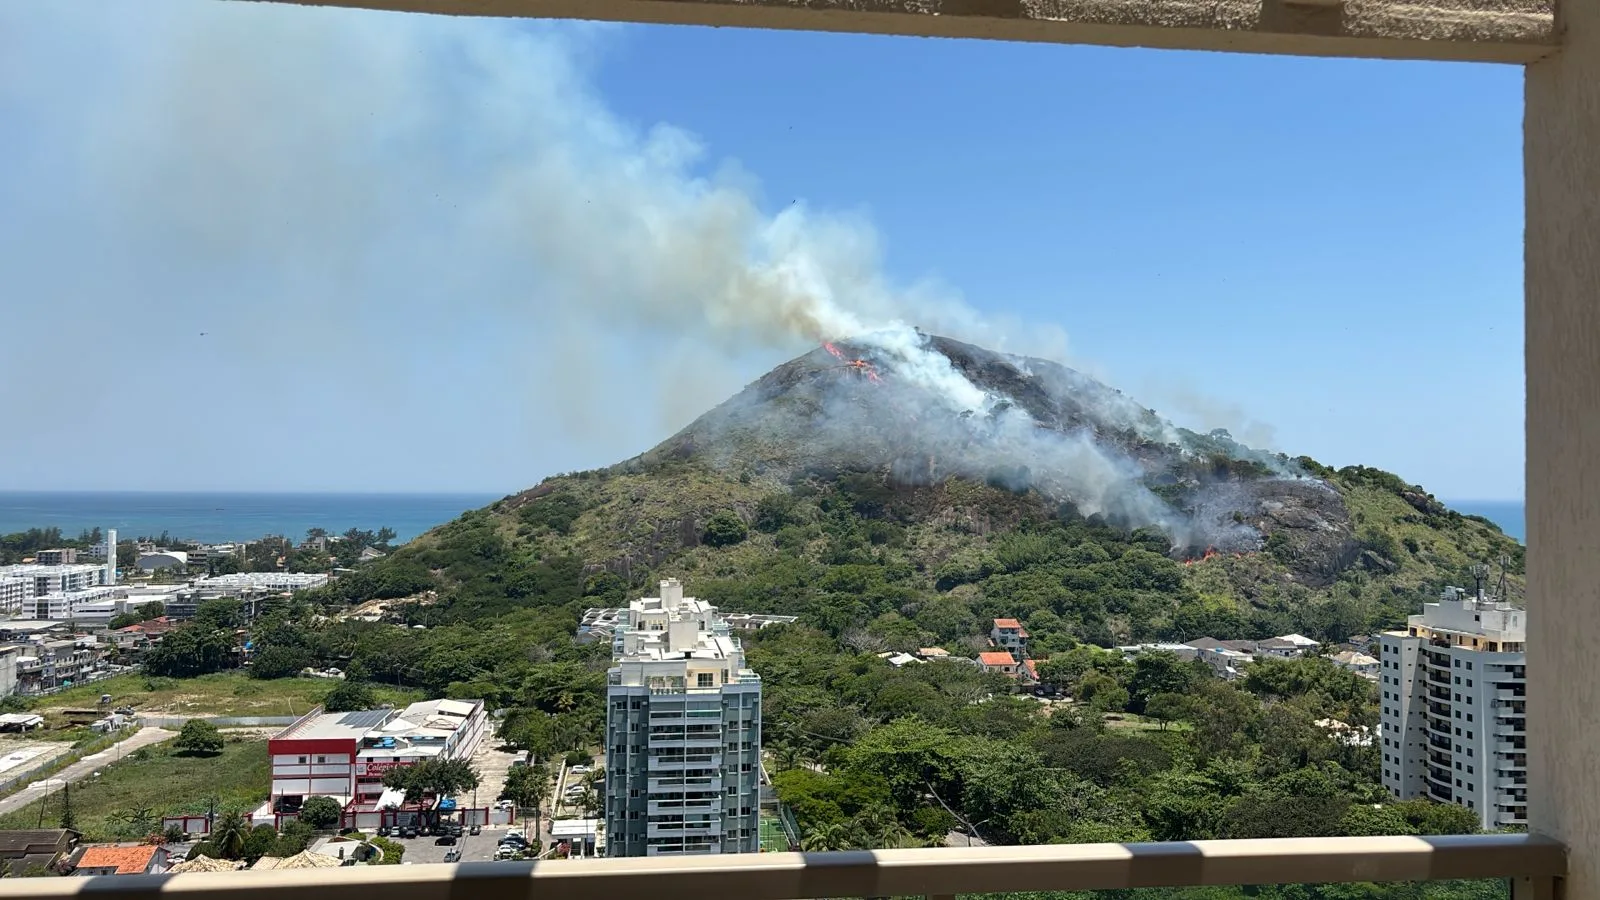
pixel 346 755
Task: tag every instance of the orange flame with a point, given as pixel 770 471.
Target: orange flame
pixel 832 349
pixel 1211 553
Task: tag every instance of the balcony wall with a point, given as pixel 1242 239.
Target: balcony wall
pixel 1533 864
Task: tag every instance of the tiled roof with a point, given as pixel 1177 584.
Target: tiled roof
pixel 126 860
pixel 16 843
pixel 305 859
pixel 996 659
pixel 205 864
pixel 1007 623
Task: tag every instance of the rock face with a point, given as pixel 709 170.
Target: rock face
pixel 1039 427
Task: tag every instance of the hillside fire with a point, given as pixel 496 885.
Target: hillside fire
pixel 860 365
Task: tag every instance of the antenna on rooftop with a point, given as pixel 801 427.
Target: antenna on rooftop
pixel 1480 572
pixel 1502 588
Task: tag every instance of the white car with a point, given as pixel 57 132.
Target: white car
pixel 579 770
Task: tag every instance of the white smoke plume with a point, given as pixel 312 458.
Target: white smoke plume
pixel 315 178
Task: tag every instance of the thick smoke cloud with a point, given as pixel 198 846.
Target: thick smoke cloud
pixel 309 181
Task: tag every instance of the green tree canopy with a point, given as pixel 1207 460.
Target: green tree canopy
pixel 199 737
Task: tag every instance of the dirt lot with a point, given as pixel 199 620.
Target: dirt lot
pixel 492 764
pixel 19 754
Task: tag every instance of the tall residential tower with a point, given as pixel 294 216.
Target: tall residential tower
pixel 683 733
pixel 1453 698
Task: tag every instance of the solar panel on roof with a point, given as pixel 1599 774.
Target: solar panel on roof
pixel 366 718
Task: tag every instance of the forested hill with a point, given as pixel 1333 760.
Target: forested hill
pixel 834 490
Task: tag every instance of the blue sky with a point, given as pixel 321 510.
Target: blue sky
pixel 361 211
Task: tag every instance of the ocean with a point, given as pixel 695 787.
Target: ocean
pixel 231 517
pixel 1510 515
pixel 215 518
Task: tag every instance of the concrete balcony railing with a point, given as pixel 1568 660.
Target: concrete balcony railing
pixel 1533 865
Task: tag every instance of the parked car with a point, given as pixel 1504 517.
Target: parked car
pixel 579 770
pixel 453 856
pixel 384 831
pixel 409 831
pixel 476 829
pixel 455 831
pixel 447 840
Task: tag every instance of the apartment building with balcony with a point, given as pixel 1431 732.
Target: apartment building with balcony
pixel 683 733
pixel 38 579
pixel 1453 696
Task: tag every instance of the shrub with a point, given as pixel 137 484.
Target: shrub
pixel 725 529
pixel 350 696
pixel 320 812
pixel 392 851
pixel 199 737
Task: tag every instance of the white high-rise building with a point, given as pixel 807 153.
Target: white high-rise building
pixel 1453 696
pixel 683 733
pixel 111 556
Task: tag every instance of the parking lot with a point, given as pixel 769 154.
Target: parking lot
pixel 473 847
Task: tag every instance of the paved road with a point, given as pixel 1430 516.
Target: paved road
pixel 82 768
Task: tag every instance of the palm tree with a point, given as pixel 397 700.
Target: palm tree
pixel 831 837
pixel 228 835
pixel 137 822
pixel 788 757
pixel 883 830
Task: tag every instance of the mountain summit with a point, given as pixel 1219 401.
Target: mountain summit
pixel 934 408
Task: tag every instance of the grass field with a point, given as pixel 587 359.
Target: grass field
pixel 153 782
pixel 222 694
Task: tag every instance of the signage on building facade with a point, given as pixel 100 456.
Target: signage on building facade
pixel 370 769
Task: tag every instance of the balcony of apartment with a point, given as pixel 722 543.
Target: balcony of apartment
pixel 684 829
pixel 684 807
pixel 1511 693
pixel 671 763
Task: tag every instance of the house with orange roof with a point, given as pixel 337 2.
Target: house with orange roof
pixel 1009 634
pixel 122 859
pixel 998 661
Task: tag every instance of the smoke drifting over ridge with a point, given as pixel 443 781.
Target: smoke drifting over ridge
pixel 315 180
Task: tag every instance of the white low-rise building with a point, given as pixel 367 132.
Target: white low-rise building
pixel 72 605
pixel 346 755
pixel 259 582
pixel 55 579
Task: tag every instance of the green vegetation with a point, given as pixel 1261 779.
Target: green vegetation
pixel 128 799
pixel 872 756
pixel 199 738
pixel 221 694
pixel 867 755
pixel 320 812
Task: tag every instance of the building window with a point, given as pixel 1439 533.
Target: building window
pixel 707 679
pixel 302 760
pixel 1469 715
